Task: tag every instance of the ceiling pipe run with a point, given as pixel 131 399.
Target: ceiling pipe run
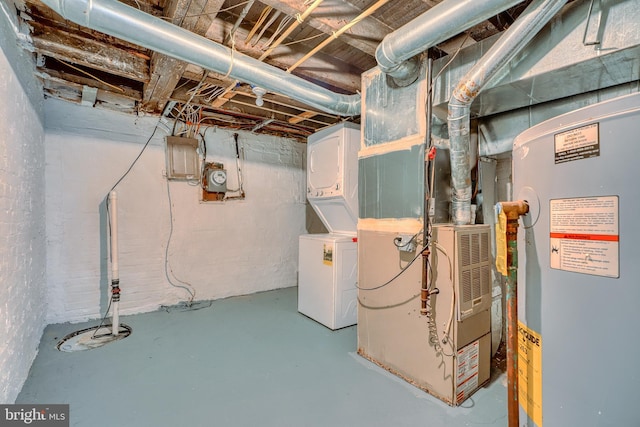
pixel 530 22
pixel 440 23
pixel 130 24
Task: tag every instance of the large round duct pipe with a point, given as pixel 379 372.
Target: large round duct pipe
pixel 537 14
pixel 436 25
pixel 130 24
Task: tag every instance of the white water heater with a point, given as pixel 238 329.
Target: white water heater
pixel 579 272
pixel 328 262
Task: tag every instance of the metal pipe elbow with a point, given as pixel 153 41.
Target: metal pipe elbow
pixel 403 73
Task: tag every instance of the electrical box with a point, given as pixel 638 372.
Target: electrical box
pixel 182 158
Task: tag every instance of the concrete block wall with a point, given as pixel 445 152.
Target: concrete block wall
pixel 218 249
pixel 22 214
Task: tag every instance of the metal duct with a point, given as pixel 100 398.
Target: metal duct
pixel 130 24
pixel 537 14
pixel 438 24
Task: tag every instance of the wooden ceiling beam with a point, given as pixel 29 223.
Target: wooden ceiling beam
pixel 193 15
pixel 90 53
pixel 302 117
pixel 320 67
pixel 332 15
pixel 73 79
pixel 195 73
pixel 63 89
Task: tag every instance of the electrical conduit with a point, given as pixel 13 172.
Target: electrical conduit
pixel 537 14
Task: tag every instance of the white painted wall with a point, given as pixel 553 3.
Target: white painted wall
pixel 221 248
pixel 22 215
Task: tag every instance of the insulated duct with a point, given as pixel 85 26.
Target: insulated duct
pixel 440 23
pixel 130 24
pixel 537 14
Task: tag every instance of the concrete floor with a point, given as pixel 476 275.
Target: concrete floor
pixel 243 361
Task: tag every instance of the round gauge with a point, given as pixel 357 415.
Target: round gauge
pixel 219 177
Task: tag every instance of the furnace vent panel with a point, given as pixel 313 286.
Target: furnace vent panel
pixel 468 248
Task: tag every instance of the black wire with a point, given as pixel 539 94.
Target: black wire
pixel 166 253
pixel 388 282
pixel 398 240
pixel 155 128
pixel 146 144
pixel 384 307
pixel 104 318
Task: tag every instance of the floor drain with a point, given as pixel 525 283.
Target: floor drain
pixel 90 338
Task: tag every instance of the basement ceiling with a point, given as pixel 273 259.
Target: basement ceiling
pixel 84 66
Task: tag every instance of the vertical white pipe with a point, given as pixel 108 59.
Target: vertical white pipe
pixel 115 274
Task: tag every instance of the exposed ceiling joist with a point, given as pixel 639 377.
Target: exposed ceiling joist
pixel 91 53
pixel 195 16
pixel 321 67
pixel 332 15
pixel 61 76
pixel 127 77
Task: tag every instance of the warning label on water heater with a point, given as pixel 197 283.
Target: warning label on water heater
pixel 577 144
pixel 584 235
pixel 530 372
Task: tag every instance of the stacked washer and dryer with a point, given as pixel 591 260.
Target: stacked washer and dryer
pixel 328 263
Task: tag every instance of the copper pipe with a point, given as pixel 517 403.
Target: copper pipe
pixel 424 291
pixel 513 210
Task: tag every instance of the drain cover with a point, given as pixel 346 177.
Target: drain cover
pixel 88 339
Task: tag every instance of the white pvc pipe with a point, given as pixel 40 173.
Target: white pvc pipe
pixel 115 274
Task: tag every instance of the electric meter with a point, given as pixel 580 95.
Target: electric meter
pixel 216 181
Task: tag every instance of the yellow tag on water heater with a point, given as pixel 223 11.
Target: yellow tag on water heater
pixel 501 241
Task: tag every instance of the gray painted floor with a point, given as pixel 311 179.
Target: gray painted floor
pixel 244 361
